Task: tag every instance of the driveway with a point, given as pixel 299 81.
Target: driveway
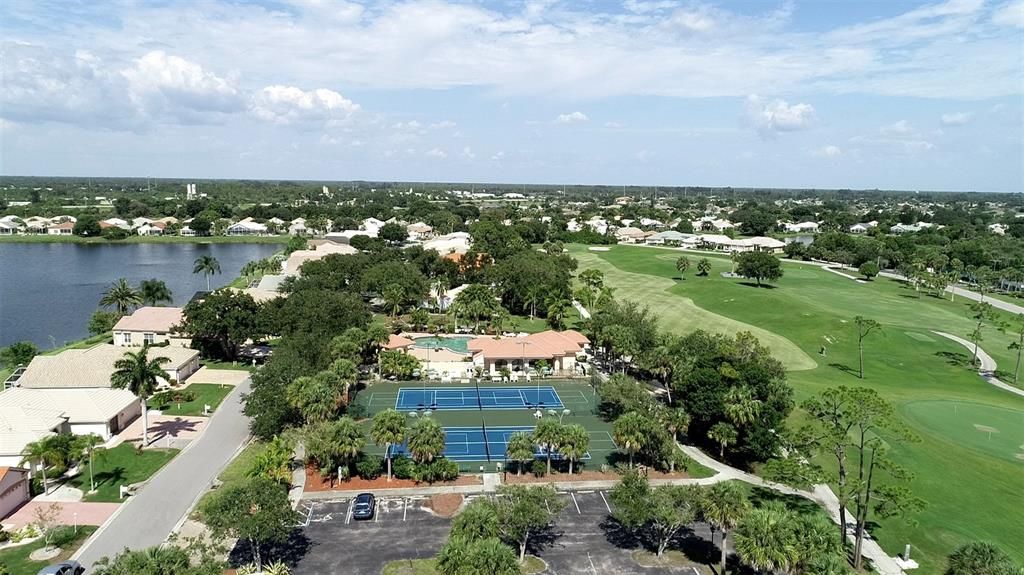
pixel 165 430
pixel 219 376
pixel 583 540
pixel 147 518
pixel 82 513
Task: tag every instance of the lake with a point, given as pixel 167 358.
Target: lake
pixel 49 291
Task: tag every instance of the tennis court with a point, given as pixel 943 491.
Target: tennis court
pixel 468 444
pixel 455 398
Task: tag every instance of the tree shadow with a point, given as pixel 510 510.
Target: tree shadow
pixel 289 551
pixel 696 548
pixel 910 295
pixel 954 358
pixel 113 477
pixel 619 535
pixel 844 368
pixel 755 285
pixel 543 539
pixel 762 495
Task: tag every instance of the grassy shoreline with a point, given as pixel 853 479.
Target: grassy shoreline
pixel 48 239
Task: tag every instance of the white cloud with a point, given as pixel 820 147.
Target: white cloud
pixel 896 129
pixel 957 118
pixel 1010 14
pixel 829 151
pixel 437 153
pixel 571 118
pixel 467 153
pixel 288 105
pixel 613 125
pixel 770 118
pixel 498 156
pixel 442 125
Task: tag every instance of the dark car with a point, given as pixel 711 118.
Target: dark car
pixel 364 506
pixel 63 568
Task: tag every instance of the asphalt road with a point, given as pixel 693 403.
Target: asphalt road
pixel 148 517
pixel 582 541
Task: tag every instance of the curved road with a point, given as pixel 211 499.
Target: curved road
pixel 148 517
pixel 988 365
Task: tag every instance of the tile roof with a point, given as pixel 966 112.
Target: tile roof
pixel 150 319
pixel 93 405
pixel 542 345
pixel 397 342
pixel 91 367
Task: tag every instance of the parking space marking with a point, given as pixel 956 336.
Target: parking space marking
pixel 574 502
pixel 309 516
pixel 376 511
pixel 608 507
pixel 405 508
pixel 593 569
pixel 348 514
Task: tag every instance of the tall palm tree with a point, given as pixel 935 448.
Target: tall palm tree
pixel 154 292
pixel 388 429
pixel 630 433
pixel 315 398
pixel 121 296
pixel 575 442
pixel 724 507
pixel 206 265
pixel 520 449
pixel 350 439
pixel 557 311
pixel 137 373
pixel 724 435
pixel 549 434
pixel 88 445
pixel 41 452
pixel 741 406
pixel 765 539
pixel 426 440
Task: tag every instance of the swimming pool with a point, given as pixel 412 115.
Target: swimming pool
pixel 454 343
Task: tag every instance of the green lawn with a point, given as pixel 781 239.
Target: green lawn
pixel 214 364
pixel 206 394
pixel 968 488
pixel 122 465
pixel 578 397
pixel 16 559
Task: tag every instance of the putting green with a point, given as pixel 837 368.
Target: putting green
pixel 996 431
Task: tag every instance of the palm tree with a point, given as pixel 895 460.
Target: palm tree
pixel 980 558
pixel 765 539
pixel 724 435
pixel 682 264
pixel 575 442
pixel 630 433
pixel 121 296
pixel 139 374
pixel 388 429
pixel 426 440
pixel 675 421
pixel 549 434
pixel 206 265
pixel 88 445
pixel 393 296
pixel 314 397
pixel 350 439
pixel 724 507
pixel 521 449
pixel 741 406
pixel 42 452
pixel 557 311
pixel 154 292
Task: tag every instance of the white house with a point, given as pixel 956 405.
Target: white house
pixel 456 242
pixel 150 325
pixel 667 238
pixel 651 223
pixel 247 227
pixel 14 489
pixel 149 230
pixel 630 235
pixel 9 228
pixel 519 354
pixel 997 229
pixel 295 260
pixel 61 229
pixel 20 426
pixel 419 231
pixel 101 411
pixel 802 227
pixel 115 223
pixel 92 367
pixel 372 225
pixel 140 221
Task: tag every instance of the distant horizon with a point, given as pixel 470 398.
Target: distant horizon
pixel 550 185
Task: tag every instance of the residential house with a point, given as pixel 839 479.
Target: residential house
pixel 92 367
pixel 520 354
pixel 247 227
pixel 36 224
pixel 997 229
pixel 372 225
pixel 295 260
pixel 61 229
pixel 651 223
pixel 153 229
pixel 453 243
pixel 20 426
pixel 115 223
pixel 14 489
pixel 150 325
pixel 630 235
pixel 297 227
pixel 9 228
pixel 710 223
pixel 668 238
pixel 419 231
pixel 102 411
pixel 140 221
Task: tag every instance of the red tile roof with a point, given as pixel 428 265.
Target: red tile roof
pixel 397 342
pixel 543 345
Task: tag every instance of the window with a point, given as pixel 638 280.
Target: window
pixel 126 338
pixel 147 338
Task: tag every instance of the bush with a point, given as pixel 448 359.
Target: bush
pixel 173 397
pixel 369 466
pixel 402 467
pixel 357 411
pixel 539 467
pixel 4 535
pixel 440 469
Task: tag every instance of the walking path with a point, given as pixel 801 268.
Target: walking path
pixel 147 518
pixel 988 365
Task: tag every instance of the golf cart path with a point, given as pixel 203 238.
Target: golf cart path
pixel 988 365
pixel 822 495
pixel 147 518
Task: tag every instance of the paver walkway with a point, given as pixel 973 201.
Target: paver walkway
pixel 146 519
pixel 988 365
pixel 82 513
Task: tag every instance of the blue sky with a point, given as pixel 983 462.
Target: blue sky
pixel 910 95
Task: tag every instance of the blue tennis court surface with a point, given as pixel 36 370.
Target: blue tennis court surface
pixel 467 444
pixel 452 398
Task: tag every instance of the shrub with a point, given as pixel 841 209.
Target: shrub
pixel 369 466
pixel 357 411
pixel 402 467
pixel 440 469
pixel 4 535
pixel 539 468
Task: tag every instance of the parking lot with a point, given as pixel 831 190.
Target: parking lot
pixel 583 541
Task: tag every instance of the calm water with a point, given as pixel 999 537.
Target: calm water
pixel 49 291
